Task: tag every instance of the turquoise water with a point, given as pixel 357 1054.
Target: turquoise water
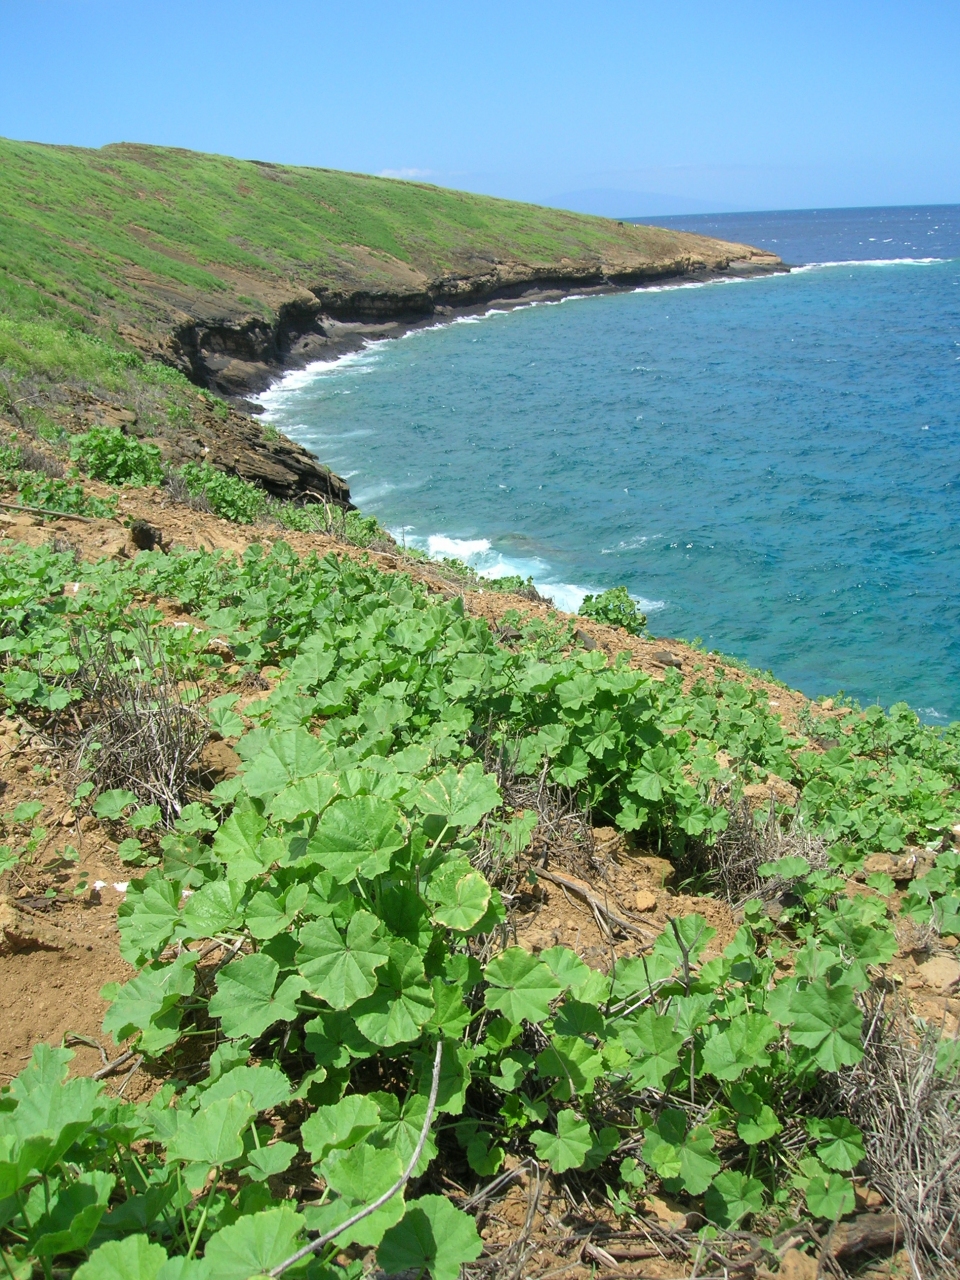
pixel 772 465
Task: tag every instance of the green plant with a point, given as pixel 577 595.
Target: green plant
pixel 617 608
pixel 107 454
pixel 229 496
pixel 337 882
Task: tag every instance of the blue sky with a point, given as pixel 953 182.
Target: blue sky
pixel 614 107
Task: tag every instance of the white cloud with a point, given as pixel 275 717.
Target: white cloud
pixel 406 173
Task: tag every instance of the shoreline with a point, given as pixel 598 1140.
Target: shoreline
pixel 335 336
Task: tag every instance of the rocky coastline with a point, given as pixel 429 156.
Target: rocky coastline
pixel 238 356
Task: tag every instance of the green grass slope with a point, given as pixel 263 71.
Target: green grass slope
pixel 113 259
pixel 142 235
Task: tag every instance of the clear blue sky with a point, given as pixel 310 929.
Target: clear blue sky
pixel 615 107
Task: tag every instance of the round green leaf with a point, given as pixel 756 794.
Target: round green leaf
pixel 357 836
pixel 134 1258
pixel 342 970
pixel 732 1197
pixel 521 986
pixel 433 1235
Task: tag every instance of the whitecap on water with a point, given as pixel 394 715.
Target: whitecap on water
pixel 870 262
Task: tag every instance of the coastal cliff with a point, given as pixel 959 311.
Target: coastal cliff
pixel 232 271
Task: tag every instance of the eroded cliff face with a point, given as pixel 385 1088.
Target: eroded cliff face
pixel 226 345
pixel 236 353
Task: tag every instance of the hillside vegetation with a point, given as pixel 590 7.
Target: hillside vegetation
pixel 142 235
pixel 352 974
pixel 228 270
pixel 454 934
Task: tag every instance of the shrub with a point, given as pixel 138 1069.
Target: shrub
pixel 229 496
pixel 617 608
pixel 107 454
pixel 50 494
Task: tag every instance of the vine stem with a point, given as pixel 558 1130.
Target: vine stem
pixel 404 1178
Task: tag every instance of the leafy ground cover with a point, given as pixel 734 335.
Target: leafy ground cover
pixel 324 972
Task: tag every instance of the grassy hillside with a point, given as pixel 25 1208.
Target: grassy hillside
pixel 110 259
pixel 148 231
pixel 325 823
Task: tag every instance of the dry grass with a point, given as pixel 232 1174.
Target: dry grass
pixel 909 1112
pixel 137 733
pixel 176 487
pixel 750 840
pixel 33 459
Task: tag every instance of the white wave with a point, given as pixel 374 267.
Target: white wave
pixel 457 548
pixel 931 713
pixel 377 490
pixel 696 284
pixel 631 544
pixel 490 563
pixel 870 262
pixel 295 380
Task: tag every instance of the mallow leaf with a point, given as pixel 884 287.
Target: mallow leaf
pixel 342 970
pixel 147 1003
pixel 463 901
pixel 677 1155
pixel 827 1020
pixel 357 836
pixel 339 1124
pixel 247 1000
pixel 253 1245
pixel 433 1235
pixel 521 986
pixel 268 1086
pixel 839 1143
pixel 112 804
pixel 732 1197
pixel 266 1162
pixel 308 797
pixel 742 1045
pixel 284 758
pixel 133 1258
pixel 461 799
pixel 402 1003
pixel 213 1134
pixel 360 1175
pixel 568 1147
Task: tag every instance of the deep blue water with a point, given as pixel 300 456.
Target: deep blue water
pixel 773 465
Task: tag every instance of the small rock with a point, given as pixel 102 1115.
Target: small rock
pixel 667 1212
pixel 942 973
pixel 608 842
pixel 218 647
pixel 868 1198
pixel 950 941
pixel 88 822
pixel 759 794
pixel 645 900
pixel 666 659
pixel 900 867
pixel 586 640
pixel 795 1265
pixel 217 762
pixel 113 546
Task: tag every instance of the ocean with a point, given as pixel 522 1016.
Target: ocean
pixel 770 465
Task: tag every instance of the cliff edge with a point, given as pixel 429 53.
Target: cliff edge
pixel 232 270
